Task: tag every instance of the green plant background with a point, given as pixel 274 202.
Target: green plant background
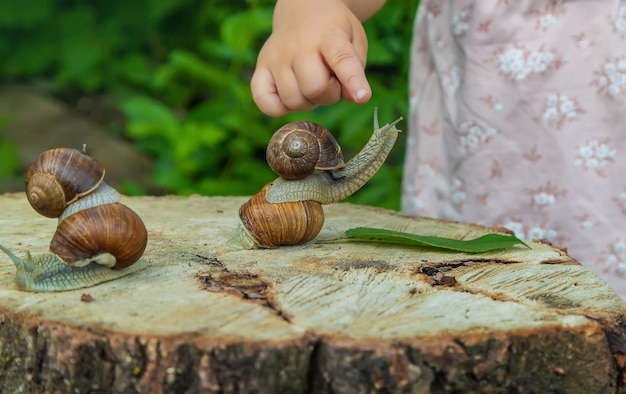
pixel 179 71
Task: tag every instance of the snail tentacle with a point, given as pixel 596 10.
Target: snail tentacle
pixel 332 186
pixel 19 263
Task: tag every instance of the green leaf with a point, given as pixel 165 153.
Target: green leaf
pixel 149 118
pixel 239 31
pixel 159 9
pixel 25 13
pixel 10 163
pixel 188 64
pixel 481 244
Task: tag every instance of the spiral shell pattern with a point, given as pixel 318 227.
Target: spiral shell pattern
pixel 60 176
pixel 109 228
pixel 271 225
pixel 298 149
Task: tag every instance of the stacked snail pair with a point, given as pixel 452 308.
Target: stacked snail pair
pixel 312 172
pixel 98 239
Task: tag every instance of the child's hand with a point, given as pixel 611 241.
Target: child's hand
pixel 315 55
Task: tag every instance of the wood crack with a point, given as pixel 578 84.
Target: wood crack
pixel 244 284
pixel 314 376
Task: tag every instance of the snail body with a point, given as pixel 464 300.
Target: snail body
pixel 47 272
pixel 97 238
pixel 262 227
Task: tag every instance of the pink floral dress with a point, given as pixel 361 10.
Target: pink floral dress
pixel 518 119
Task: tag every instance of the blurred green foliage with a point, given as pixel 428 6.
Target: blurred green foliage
pixel 179 70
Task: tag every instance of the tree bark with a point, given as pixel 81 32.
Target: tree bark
pixel 204 317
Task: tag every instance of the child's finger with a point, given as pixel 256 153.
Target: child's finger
pixel 342 58
pixel 315 80
pixel 265 93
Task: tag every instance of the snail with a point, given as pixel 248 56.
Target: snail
pixel 298 149
pixel 97 238
pixel 58 177
pixel 288 211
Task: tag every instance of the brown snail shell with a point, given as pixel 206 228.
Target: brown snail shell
pixel 298 149
pixel 60 176
pixel 109 228
pixel 271 225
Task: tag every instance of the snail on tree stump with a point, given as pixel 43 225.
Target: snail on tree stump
pixel 97 238
pixel 288 211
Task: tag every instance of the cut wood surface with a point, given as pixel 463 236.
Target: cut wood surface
pixel 321 317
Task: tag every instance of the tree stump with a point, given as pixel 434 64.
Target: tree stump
pixel 322 317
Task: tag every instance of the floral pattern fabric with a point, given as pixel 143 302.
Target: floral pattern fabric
pixel 518 119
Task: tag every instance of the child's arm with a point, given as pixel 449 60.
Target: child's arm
pixel 315 55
